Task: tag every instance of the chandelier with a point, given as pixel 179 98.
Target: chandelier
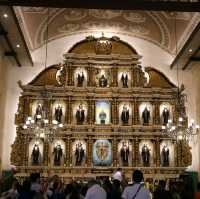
pixel 42 128
pixel 178 129
pixel 39 126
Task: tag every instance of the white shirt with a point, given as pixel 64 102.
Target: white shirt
pixel 96 192
pixel 130 191
pixel 36 187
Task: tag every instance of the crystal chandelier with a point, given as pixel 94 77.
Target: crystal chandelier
pixel 40 126
pixel 180 129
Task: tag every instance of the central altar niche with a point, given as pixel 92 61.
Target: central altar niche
pixel 103 112
pixel 109 112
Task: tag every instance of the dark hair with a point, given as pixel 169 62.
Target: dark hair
pixel 34 177
pixel 137 176
pixel 26 186
pixel 162 183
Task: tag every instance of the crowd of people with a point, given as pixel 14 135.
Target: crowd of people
pixel 103 188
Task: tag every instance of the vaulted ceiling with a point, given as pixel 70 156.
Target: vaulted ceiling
pixel 156 27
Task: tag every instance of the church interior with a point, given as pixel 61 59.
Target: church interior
pixel 86 90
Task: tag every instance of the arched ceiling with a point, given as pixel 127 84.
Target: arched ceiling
pixel 156 27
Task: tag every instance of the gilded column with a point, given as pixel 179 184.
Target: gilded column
pixel 136 112
pixel 93 104
pixel 90 72
pixel 156 113
pixel 68 151
pixel 174 113
pixel 115 159
pixel 68 113
pixel 24 150
pixel 157 142
pixel 132 77
pixel 89 152
pixel 46 152
pixel 175 154
pixel 50 109
pixel 133 153
pixel 117 110
pixel 89 111
pixel 137 152
pixel 113 111
pixel 114 71
pixel 70 71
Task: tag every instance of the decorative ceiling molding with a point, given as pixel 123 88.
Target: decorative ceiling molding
pixel 154 27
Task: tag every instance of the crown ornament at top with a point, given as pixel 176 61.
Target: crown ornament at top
pixel 103 46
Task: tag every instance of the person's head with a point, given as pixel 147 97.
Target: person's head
pixel 117 176
pixel 162 184
pixel 92 182
pixel 137 176
pixel 26 186
pixel 35 177
pixel 68 189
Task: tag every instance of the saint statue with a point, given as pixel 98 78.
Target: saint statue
pixel 80 114
pixel 38 112
pixel 35 155
pixel 146 116
pixel 58 113
pixel 58 153
pixel 165 115
pixel 165 156
pixel 124 152
pixel 103 82
pixel 80 79
pixel 79 154
pixel 145 155
pixel 102 116
pixel 124 80
pixel 125 115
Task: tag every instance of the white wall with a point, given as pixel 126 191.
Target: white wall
pixel 152 56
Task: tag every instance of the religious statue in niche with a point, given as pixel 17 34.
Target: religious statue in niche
pixel 125 114
pixel 124 80
pixel 79 154
pixel 58 113
pixel 124 152
pixel 80 114
pixel 80 79
pixel 58 154
pixel 145 155
pixel 103 82
pixel 38 112
pixel 165 115
pixel 41 112
pixel 102 116
pixel 35 156
pixel 146 116
pixel 165 156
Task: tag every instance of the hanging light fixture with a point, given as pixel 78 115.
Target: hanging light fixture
pixel 180 130
pixel 40 126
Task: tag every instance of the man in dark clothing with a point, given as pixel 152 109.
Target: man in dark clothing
pixel 160 192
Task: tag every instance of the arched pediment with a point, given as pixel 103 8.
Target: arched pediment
pixel 157 79
pixel 46 77
pixel 88 45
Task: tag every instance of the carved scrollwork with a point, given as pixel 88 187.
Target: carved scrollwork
pixel 61 75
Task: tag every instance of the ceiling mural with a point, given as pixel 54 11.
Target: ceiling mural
pixel 156 27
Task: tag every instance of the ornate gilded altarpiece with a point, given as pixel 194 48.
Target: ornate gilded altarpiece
pixel 149 88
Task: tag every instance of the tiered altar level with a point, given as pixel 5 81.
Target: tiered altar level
pixel 45 87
